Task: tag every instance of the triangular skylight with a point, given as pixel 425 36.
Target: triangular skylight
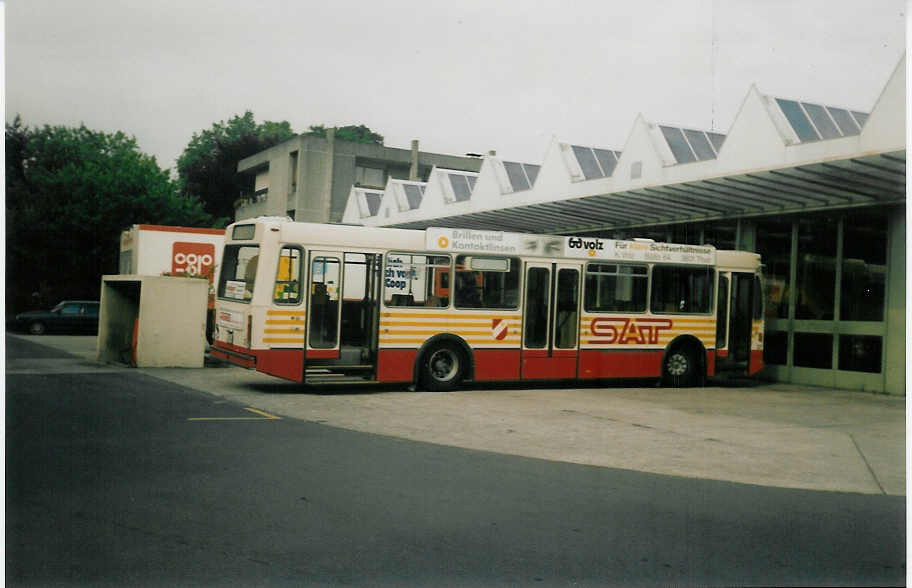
pixel 689 145
pixel 815 122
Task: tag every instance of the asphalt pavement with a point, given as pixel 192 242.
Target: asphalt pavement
pixel 122 477
pixel 768 434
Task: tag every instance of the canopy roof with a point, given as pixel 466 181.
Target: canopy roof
pixel 779 156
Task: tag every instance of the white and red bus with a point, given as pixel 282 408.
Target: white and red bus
pixel 321 303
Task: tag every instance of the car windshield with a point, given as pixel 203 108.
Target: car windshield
pixel 58 307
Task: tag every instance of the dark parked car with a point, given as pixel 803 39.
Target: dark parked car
pixel 70 316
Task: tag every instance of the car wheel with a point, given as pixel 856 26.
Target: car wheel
pixel 679 368
pixel 443 368
pixel 37 328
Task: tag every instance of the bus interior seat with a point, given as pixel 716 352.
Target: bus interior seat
pixel 402 300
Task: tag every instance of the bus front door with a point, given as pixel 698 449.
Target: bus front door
pixel 733 320
pixel 550 345
pixel 324 305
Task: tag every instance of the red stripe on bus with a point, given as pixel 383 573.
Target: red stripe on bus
pixel 548 368
pixel 710 363
pixel 396 365
pixel 756 361
pixel 245 360
pixel 496 364
pixel 282 363
pixel 596 363
pixel 322 354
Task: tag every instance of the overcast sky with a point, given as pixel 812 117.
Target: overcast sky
pixel 459 75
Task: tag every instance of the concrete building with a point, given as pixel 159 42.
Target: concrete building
pixel 818 190
pixel 310 178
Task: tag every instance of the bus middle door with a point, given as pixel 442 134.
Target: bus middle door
pixel 550 345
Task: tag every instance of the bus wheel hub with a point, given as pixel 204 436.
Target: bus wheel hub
pixel 677 364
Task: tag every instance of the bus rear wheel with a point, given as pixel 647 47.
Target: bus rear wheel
pixel 679 370
pixel 443 368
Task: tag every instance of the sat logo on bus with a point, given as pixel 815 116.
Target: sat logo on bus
pixel 629 330
pixel 194 259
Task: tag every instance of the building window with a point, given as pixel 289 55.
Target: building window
pixel 775 348
pixel 721 235
pixel 370 177
pixel 774 243
pixel 686 233
pixel 293 172
pixel 814 350
pixel 816 268
pixel 521 175
pixel 864 269
pixel 595 163
pixel 462 186
pixel 860 353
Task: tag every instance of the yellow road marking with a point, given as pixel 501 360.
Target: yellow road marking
pixel 264 416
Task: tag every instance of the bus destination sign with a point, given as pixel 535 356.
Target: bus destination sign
pixel 499 242
pixel 647 251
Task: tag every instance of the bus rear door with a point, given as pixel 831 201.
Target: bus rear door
pixel 550 345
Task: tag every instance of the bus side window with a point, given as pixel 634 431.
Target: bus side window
pixel 288 277
pixel 486 282
pixel 682 289
pixel 416 280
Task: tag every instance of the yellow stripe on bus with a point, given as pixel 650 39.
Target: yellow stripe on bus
pixel 299 340
pixel 509 314
pixel 284 322
pixel 674 320
pixel 286 312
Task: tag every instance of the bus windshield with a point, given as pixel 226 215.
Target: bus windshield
pixel 239 265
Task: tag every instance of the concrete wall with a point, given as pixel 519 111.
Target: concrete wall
pixel 325 174
pixel 172 320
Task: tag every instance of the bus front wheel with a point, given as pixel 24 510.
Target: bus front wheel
pixel 680 368
pixel 443 368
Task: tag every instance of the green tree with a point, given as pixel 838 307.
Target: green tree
pixel 208 166
pixel 70 192
pixel 354 133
